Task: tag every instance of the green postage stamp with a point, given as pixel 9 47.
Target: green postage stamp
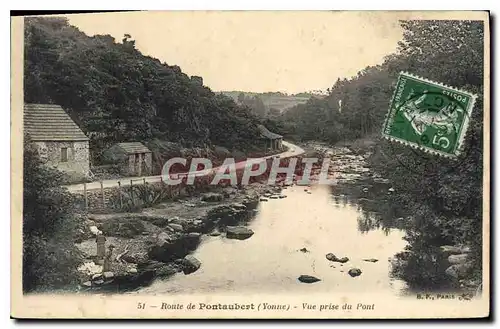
pixel 428 115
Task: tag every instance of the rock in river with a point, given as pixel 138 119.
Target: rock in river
pixel 308 279
pixel 190 264
pixel 354 272
pixel 228 214
pixel 238 232
pixel 332 258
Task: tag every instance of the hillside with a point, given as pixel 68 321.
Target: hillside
pixel 272 100
pixel 115 93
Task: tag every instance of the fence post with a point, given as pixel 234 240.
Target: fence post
pixel 85 196
pixel 144 179
pixel 120 194
pixel 161 179
pixel 131 192
pixel 102 196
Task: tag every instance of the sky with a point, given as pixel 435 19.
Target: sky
pixel 256 51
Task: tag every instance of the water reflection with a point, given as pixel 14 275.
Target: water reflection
pixel 422 264
pixel 374 203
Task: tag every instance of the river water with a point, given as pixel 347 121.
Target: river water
pixel 324 220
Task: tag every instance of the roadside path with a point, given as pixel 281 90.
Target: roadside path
pixel 293 150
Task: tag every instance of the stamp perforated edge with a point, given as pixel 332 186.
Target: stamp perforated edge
pixel 465 123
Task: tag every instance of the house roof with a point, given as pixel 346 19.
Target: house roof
pixel 49 122
pixel 267 134
pixel 133 147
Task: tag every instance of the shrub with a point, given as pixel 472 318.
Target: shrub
pixel 50 258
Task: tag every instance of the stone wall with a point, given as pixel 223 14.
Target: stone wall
pixel 76 167
pixel 95 201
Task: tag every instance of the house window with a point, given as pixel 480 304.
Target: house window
pixel 64 154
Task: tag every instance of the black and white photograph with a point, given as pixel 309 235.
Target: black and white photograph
pixel 251 164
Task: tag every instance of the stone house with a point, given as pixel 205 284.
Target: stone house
pixel 133 158
pixel 272 140
pixel 59 140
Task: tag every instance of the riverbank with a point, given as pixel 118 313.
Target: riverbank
pixel 155 243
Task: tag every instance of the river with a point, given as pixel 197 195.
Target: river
pixel 323 219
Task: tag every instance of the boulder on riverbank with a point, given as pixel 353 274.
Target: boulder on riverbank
pixel 227 214
pixel 229 191
pixel 454 250
pixel 168 247
pixel 215 233
pixel 190 264
pixel 175 227
pixel 459 271
pixel 127 227
pixel 251 201
pixel 238 232
pixel 458 259
pixel 212 197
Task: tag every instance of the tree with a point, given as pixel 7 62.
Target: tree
pixel 241 98
pixel 273 112
pixel 444 197
pixel 128 43
pixel 49 255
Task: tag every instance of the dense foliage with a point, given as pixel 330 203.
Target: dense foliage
pixel 444 197
pixel 253 102
pixel 116 93
pixel 49 220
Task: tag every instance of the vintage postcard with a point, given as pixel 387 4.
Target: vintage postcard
pixel 251 164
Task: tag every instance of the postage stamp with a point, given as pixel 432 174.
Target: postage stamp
pixel 428 115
